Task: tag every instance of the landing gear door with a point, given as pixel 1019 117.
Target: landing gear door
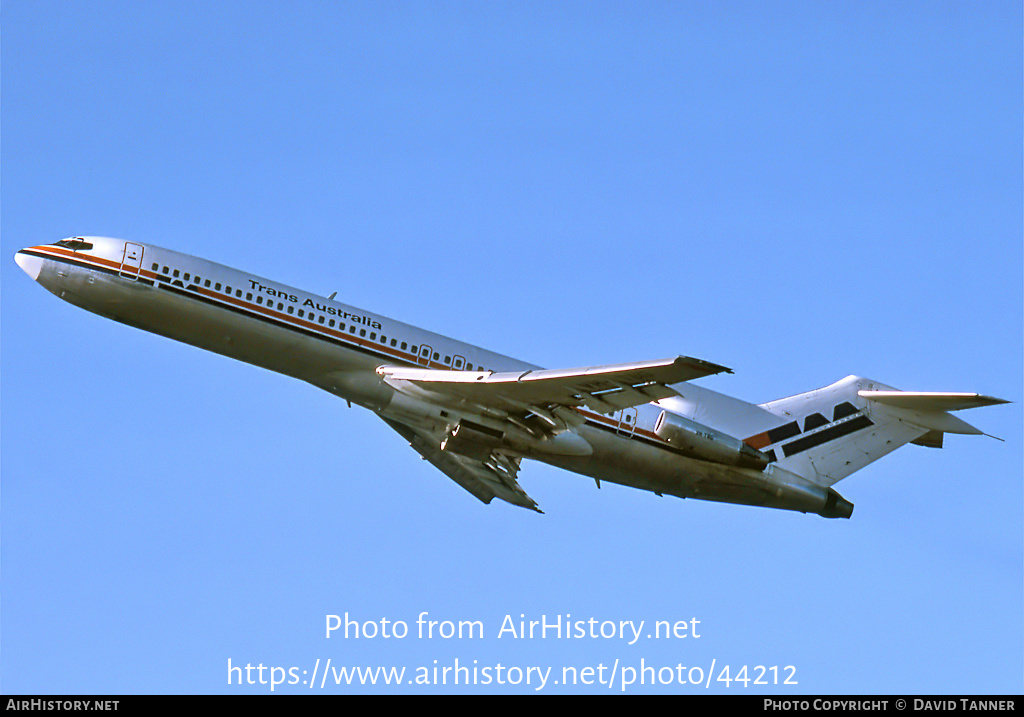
pixel 131 262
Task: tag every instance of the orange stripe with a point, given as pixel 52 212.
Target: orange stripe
pixel 759 441
pixel 289 319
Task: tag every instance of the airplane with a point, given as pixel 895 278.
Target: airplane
pixel 475 415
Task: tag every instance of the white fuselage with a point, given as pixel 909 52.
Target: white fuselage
pixel 339 347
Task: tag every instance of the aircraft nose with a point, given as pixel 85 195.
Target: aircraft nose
pixel 30 264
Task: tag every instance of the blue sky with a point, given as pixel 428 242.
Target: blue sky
pixel 796 191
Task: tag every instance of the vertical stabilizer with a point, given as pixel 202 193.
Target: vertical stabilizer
pixel 837 430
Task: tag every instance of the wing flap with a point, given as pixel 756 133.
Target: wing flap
pixel 485 482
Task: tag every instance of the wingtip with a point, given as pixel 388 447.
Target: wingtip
pixel 710 366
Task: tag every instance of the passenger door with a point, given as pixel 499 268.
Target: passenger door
pixel 131 262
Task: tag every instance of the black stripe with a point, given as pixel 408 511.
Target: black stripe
pixel 815 420
pixel 783 432
pixel 829 434
pixel 245 311
pixel 843 410
pixel 192 292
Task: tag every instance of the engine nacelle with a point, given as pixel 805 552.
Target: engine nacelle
pixel 699 441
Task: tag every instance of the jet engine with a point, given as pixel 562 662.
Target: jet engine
pixel 699 441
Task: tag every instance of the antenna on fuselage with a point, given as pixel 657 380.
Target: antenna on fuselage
pixel 331 297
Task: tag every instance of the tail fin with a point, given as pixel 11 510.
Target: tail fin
pixel 841 428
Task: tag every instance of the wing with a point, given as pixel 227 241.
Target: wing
pixel 536 404
pixel 605 389
pixel 494 477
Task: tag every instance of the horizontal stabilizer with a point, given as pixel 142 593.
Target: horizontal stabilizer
pixel 929 409
pixel 931 400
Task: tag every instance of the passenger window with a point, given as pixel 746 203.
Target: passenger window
pixel 301 313
pixel 248 297
pixel 291 309
pixel 362 332
pixel 156 267
pixel 175 273
pixel 238 293
pixel 321 319
pixel 217 286
pixel 186 276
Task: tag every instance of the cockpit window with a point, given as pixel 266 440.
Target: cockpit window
pixel 74 244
